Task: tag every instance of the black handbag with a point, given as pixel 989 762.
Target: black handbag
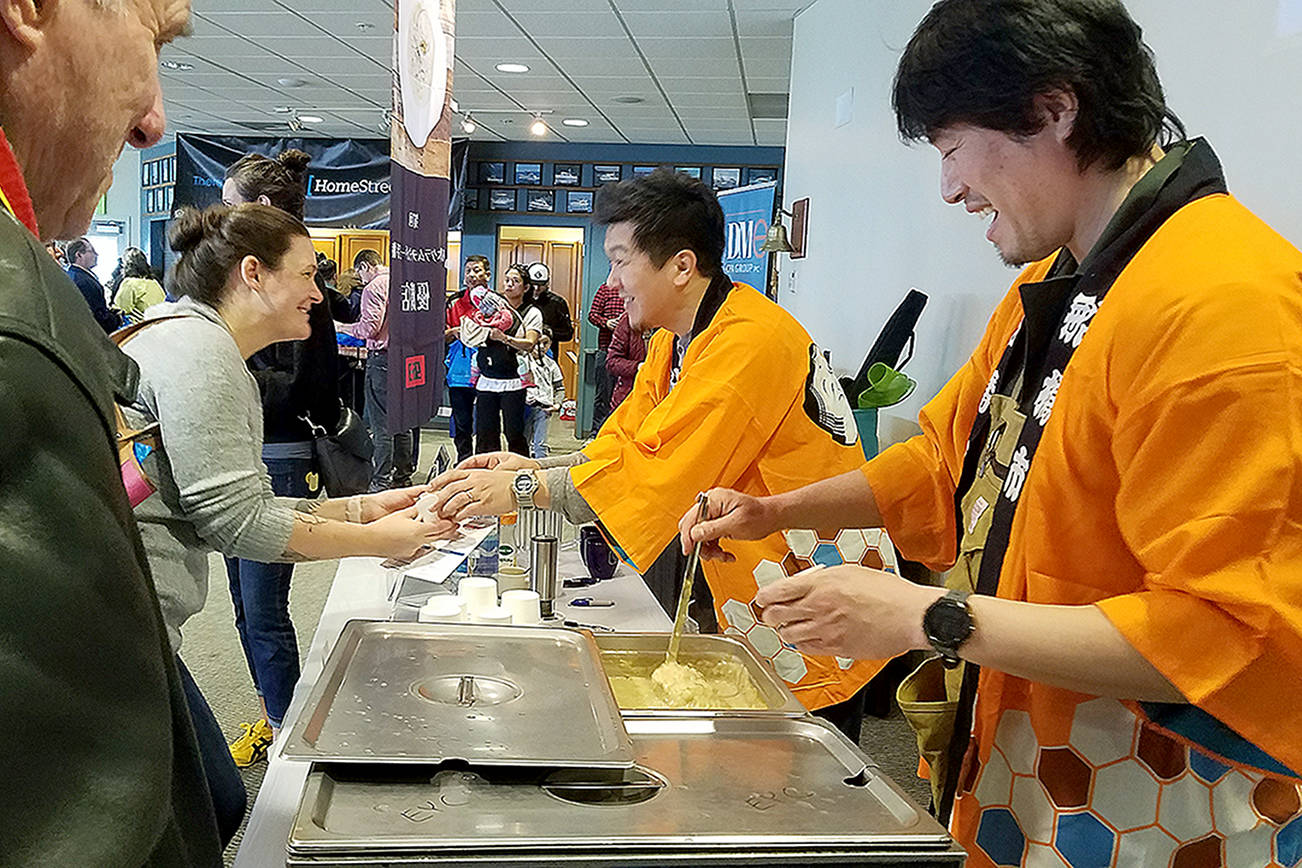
pixel 344 457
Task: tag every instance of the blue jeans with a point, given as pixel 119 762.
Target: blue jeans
pixel 393 460
pixel 229 798
pixel 260 594
pixel 535 430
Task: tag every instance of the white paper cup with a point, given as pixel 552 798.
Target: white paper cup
pixel 492 615
pixel 523 606
pixel 510 578
pixel 477 593
pixel 443 609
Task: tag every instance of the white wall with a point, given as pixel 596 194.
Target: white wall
pixel 124 196
pixel 877 225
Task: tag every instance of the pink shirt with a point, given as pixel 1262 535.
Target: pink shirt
pixel 373 324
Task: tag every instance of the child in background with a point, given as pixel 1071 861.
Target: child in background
pixel 544 396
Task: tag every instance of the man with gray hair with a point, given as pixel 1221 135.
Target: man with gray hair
pixel 99 757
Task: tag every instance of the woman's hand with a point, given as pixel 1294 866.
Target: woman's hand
pixel 496 334
pixel 402 535
pixel 464 493
pixel 381 503
pixel 492 461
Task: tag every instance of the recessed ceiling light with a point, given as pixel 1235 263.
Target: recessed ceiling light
pixel 365 25
pixel 575 122
pixel 291 81
pixel 468 126
pixel 311 119
pixel 629 100
pixel 176 65
pixel 512 67
pixel 538 128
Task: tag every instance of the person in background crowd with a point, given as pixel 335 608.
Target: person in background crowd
pixel 500 398
pixel 99 760
pixel 554 309
pixel 543 396
pixel 136 290
pixel 460 358
pixel 244 280
pixel 394 459
pixel 624 357
pixel 1113 471
pixel 56 253
pixel 298 380
pixel 82 258
pixel 607 308
pixel 732 388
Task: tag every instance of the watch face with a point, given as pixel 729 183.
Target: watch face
pixel 948 622
pixel 523 484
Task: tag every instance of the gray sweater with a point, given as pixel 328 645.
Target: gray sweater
pixel 214 493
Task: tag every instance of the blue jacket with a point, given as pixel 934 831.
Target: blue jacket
pixel 93 291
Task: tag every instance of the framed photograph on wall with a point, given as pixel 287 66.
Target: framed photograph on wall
pixel 607 175
pixel 167 198
pixel 542 200
pixel 761 175
pixel 567 174
pixel 528 173
pixel 501 200
pixel 642 171
pixel 726 178
pixel 689 171
pixel 492 173
pixel 144 174
pixel 470 201
pixel 578 201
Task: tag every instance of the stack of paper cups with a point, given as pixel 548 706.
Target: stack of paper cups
pixel 442 609
pixel 492 615
pixel 523 606
pixel 477 593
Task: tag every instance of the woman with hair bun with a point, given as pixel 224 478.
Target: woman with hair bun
pixel 243 280
pixel 299 380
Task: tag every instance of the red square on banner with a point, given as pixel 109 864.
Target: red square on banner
pixel 415 367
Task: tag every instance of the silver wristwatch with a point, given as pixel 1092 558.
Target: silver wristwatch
pixel 524 485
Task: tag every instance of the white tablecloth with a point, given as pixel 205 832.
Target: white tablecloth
pixel 360 591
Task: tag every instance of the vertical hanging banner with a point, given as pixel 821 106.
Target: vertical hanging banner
pixel 747 213
pixel 420 143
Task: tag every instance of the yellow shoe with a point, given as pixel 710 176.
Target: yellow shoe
pixel 253 745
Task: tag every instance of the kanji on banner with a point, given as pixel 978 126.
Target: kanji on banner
pixel 421 171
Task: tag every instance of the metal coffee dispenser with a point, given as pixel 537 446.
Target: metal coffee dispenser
pixel 476 745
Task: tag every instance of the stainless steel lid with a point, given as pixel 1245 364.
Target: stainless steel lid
pixel 699 784
pixel 486 695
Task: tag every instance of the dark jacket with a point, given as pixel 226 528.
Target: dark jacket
pixel 555 313
pixel 93 291
pixel 98 759
pixel 300 378
pixel 626 353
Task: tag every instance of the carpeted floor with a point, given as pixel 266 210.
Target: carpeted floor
pixel 211 650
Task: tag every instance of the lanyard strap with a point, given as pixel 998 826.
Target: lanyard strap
pixel 1042 347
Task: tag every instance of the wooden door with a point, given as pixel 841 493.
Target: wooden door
pixel 327 244
pixel 565 260
pixel 354 242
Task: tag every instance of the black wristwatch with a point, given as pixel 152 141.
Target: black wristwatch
pixel 948 624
